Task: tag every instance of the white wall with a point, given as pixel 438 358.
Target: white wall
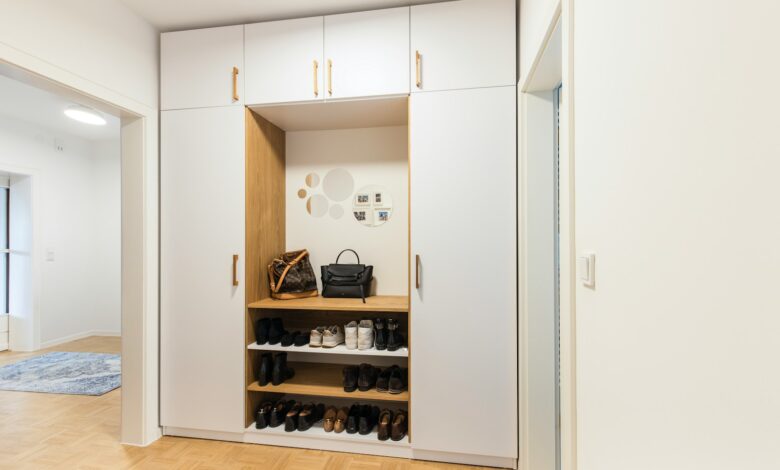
pixel 677 163
pixel 75 218
pixel 533 21
pixel 102 41
pixel 374 156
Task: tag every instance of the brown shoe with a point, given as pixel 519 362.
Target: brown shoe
pixel 385 422
pixel 400 424
pixel 329 419
pixel 341 419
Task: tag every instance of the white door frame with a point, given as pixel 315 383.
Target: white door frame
pixel 140 241
pixel 540 77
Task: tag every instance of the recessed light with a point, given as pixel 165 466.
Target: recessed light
pixel 85 115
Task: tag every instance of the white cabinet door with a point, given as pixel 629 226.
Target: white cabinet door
pixel 367 53
pixel 464 312
pixel 198 68
pixel 284 61
pixel 463 44
pixel 201 228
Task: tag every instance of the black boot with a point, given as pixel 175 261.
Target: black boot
pixel 350 375
pixel 367 377
pixel 398 380
pixel 276 331
pixel 383 381
pixel 394 338
pixel 380 334
pixel 266 369
pixel 281 371
pixel 352 419
pixel 368 417
pixel 261 330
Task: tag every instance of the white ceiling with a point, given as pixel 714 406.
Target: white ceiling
pixel 172 15
pixel 44 109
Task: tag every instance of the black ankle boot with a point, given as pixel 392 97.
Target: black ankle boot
pixel 276 331
pixel 367 377
pixel 261 330
pixel 380 334
pixel 368 417
pixel 394 338
pixel 266 369
pixel 350 375
pixel 281 371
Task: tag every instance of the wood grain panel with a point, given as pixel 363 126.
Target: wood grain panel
pixel 376 303
pixel 265 217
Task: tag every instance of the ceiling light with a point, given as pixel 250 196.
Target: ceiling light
pixel 85 115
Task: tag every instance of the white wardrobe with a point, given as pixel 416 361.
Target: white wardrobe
pixel 231 98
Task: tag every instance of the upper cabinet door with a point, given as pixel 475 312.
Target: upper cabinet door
pixel 284 61
pixel 202 68
pixel 367 53
pixel 463 44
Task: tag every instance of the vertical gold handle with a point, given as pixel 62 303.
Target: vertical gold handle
pixel 235 270
pixel 316 87
pixel 330 77
pixel 417 271
pixel 235 84
pixel 418 72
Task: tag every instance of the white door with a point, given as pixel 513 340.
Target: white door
pixel 367 53
pixel 463 44
pixel 202 68
pixel 464 312
pixel 201 228
pixel 284 61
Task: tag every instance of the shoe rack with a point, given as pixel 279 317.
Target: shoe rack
pixel 318 370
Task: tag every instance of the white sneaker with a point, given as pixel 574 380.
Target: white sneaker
pixel 332 337
pixel 365 334
pixel 351 335
pixel 315 338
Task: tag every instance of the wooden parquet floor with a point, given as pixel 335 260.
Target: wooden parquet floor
pixel 47 431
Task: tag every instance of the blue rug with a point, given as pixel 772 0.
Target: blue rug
pixel 72 373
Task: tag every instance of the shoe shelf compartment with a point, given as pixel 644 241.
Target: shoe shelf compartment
pixel 377 303
pixel 318 432
pixel 341 349
pixel 323 380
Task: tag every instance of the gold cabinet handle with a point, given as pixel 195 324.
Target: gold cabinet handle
pixel 418 72
pixel 235 270
pixel 417 271
pixel 235 84
pixel 330 77
pixel 316 87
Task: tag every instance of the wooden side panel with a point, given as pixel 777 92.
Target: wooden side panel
pixel 265 219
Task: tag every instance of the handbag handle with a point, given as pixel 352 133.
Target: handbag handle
pixel 342 252
pixel 278 285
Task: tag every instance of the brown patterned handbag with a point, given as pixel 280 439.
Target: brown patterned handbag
pixel 292 276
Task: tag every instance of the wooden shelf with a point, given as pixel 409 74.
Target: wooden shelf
pixel 317 432
pixel 323 380
pixel 377 303
pixel 340 349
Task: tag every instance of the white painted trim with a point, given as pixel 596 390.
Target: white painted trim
pixel 139 346
pixel 552 20
pixel 77 336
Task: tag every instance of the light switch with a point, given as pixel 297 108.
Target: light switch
pixel 586 269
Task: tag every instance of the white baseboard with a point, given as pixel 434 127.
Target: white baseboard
pixel 74 337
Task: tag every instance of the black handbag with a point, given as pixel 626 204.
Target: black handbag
pixel 347 280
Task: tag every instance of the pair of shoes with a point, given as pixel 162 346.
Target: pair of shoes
pixel 335 419
pixel 392 426
pixel 327 337
pixel 359 335
pixel 274 369
pixel 393 379
pixel 296 337
pixel 362 377
pixel 362 419
pixel 302 417
pixel 269 330
pixel 272 414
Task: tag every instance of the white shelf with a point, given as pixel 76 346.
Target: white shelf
pixel 317 432
pixel 340 349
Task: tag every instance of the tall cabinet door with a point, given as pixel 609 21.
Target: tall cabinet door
pixel 463 44
pixel 464 263
pixel 284 61
pixel 201 287
pixel 367 53
pixel 202 68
